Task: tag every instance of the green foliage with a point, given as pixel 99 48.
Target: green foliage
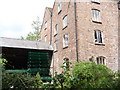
pixel 116 82
pixel 91 75
pixel 35 36
pixel 63 80
pixel 85 75
pixel 20 80
pixel 2 63
pixel 38 80
pixel 82 75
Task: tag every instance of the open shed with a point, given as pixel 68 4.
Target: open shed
pixel 27 56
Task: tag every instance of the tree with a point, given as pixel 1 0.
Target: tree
pixel 36 25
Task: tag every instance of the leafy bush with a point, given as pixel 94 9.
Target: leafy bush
pixel 20 80
pixel 82 75
pixel 85 75
pixel 91 75
pixel 116 82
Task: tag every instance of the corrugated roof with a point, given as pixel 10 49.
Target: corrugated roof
pixel 26 44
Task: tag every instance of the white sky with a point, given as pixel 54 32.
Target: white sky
pixel 16 16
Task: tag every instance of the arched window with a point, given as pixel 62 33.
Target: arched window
pixel 101 60
pixel 66 64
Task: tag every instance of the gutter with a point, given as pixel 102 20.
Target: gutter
pixel 76 33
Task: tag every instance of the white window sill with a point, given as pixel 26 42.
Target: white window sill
pixel 55 34
pixel 64 27
pixel 65 47
pixel 55 51
pixel 100 22
pixel 45 28
pixel 59 11
pixel 102 44
pixel 95 2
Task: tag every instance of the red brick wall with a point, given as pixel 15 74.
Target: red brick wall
pixel 85 31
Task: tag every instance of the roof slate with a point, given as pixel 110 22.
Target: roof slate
pixel 26 44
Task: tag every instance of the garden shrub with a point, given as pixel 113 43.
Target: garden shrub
pixel 91 75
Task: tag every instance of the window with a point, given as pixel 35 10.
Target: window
pixel 45 38
pixel 65 21
pixel 119 5
pixel 59 7
pixel 46 25
pixel 65 40
pixel 56 29
pixel 56 45
pixel 98 36
pixel 101 60
pixel 96 1
pixel 66 64
pixel 96 15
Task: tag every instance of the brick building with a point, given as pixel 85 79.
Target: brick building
pixel 83 30
pixel 46 25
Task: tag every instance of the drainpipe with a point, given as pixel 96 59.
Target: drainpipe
pixel 51 29
pixel 76 29
pixel 51 41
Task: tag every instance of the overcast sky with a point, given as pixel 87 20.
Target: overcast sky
pixel 16 16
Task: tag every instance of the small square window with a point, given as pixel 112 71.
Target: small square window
pixel 65 22
pixel 65 40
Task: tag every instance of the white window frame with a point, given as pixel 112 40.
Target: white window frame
pixel 45 38
pixel 65 40
pixel 101 60
pixel 65 21
pixel 59 7
pixel 66 62
pixel 56 45
pixel 98 36
pixel 96 1
pixel 119 5
pixel 56 29
pixel 45 25
pixel 96 15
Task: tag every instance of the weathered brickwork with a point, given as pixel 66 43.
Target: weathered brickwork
pixel 85 28
pixel 70 51
pixel 109 27
pixel 45 30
